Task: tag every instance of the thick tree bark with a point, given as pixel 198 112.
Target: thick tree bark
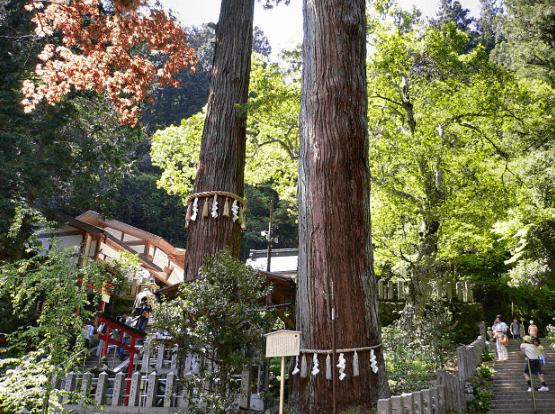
pixel 335 247
pixel 222 154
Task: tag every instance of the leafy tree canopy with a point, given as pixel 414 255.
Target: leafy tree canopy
pixel 48 304
pixel 219 316
pixel 445 125
pixel 69 157
pixel 527 49
pixel 97 52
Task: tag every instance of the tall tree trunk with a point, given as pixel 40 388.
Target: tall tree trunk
pixel 335 248
pixel 222 154
pixel 423 265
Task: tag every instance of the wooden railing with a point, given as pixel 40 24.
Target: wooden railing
pixel 450 393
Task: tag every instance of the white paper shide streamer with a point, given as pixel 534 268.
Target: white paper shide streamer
pixel 215 206
pixel 341 365
pixel 328 367
pixel 195 210
pixel 296 370
pixel 373 362
pixel 304 367
pixel 315 367
pixel 235 210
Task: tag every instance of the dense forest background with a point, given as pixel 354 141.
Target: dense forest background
pixel 461 151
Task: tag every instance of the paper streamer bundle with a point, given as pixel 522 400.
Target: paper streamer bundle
pixel 304 367
pixel 236 211
pixel 328 367
pixel 342 362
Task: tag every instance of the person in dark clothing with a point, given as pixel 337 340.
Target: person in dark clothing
pixel 144 314
pixel 127 321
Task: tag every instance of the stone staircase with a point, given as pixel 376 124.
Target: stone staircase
pixel 510 388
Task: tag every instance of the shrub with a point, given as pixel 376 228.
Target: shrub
pixel 218 317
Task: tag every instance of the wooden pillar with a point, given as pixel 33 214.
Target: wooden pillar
pixel 160 357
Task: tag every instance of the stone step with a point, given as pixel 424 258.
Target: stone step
pixel 510 388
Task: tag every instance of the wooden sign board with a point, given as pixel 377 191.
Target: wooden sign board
pixel 283 343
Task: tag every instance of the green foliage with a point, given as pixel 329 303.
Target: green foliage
pixel 482 384
pixel 488 356
pixel 481 403
pixel 142 204
pixel 527 49
pixel 416 346
pixel 272 146
pixel 485 372
pixel 272 152
pixel 443 123
pixel 70 157
pixel 218 317
pixel 50 308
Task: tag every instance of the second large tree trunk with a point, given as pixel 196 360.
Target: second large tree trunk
pixel 222 154
pixel 335 248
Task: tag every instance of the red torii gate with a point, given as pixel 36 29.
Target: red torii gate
pixel 132 332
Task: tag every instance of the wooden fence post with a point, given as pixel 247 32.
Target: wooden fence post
pixel 160 358
pixel 174 359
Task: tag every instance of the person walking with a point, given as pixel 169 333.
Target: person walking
pixel 533 330
pixel 144 314
pixel 533 366
pixel 499 330
pixel 516 329
pixel 539 351
pixel 126 321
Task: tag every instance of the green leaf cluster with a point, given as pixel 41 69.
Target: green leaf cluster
pixel 219 318
pixel 46 306
pixel 445 127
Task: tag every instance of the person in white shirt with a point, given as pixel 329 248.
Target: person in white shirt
pixel 499 329
pixel 533 366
